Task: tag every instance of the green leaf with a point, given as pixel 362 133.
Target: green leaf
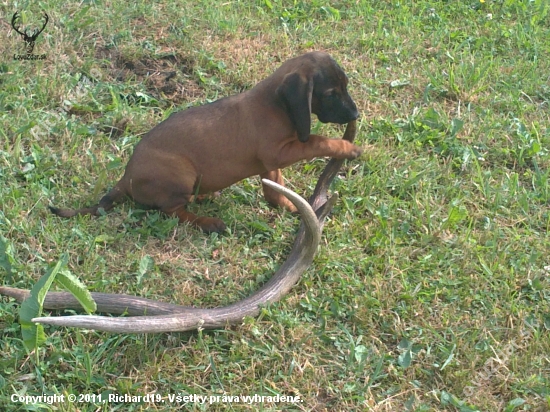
pixel 33 334
pixel 432 119
pixel 456 126
pixel 4 258
pixel 260 226
pixel 104 239
pixel 410 402
pixel 404 360
pixel 456 215
pixel 449 399
pixel 361 353
pixel 404 344
pixel 335 13
pixel 71 283
pixel 25 128
pixel 146 264
pixel 514 403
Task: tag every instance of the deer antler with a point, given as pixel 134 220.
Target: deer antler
pixel 35 35
pixel 13 19
pixel 27 37
pixel 164 317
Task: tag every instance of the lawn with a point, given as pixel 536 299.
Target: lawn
pixel 431 288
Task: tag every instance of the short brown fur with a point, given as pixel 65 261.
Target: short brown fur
pixel 258 132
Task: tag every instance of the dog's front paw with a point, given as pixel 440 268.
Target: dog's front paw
pixel 278 200
pixel 354 152
pixel 288 205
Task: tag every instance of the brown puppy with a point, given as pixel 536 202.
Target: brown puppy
pixel 207 148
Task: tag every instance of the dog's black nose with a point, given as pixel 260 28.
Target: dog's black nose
pixel 353 113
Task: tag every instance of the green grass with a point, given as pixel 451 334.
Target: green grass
pixel 431 291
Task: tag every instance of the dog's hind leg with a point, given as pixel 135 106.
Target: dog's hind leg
pixel 207 224
pixel 168 183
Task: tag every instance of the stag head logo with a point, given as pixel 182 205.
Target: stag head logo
pixel 28 37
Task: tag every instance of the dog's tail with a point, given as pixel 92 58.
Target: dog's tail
pixel 106 203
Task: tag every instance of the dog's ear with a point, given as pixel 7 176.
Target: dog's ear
pixel 296 90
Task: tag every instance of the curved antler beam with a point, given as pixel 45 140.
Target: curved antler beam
pixel 164 317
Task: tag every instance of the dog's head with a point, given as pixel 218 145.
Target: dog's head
pixel 314 83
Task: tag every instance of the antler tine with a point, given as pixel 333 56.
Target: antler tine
pixel 188 318
pixel 13 19
pixel 43 27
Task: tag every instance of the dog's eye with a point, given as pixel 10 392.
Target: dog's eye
pixel 331 93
